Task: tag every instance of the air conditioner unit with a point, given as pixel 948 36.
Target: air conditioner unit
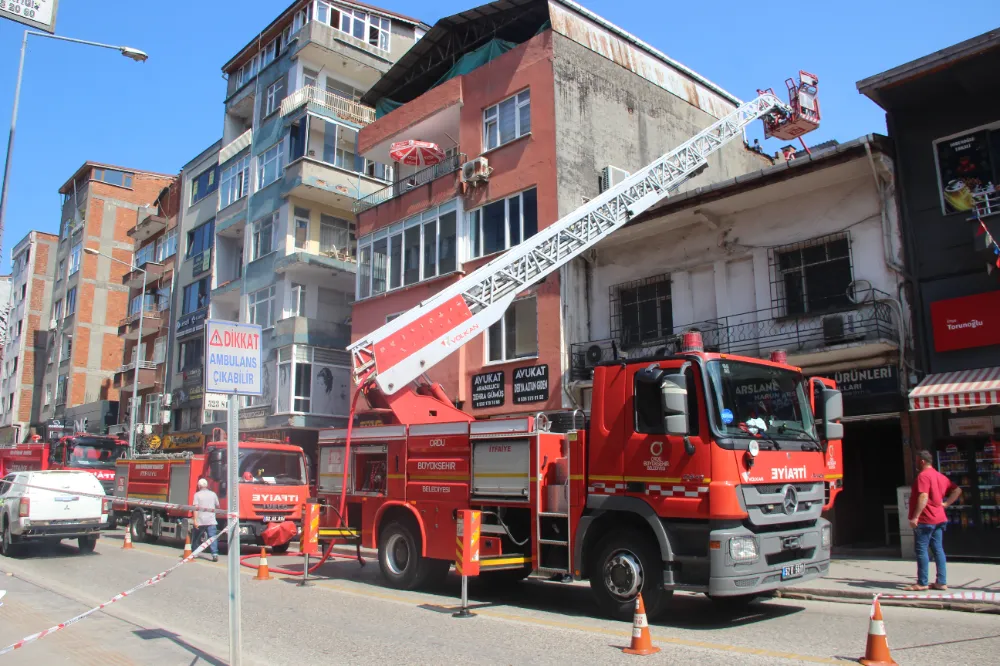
pixel 168 399
pixel 476 171
pixel 52 324
pixel 611 176
pixel 843 327
pixel 165 417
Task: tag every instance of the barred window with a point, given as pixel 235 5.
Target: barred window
pixel 641 311
pixel 811 276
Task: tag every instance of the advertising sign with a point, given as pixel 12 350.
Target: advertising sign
pixel 966 322
pixel 216 401
pixel 180 441
pixel 38 14
pixel 233 358
pixel 487 390
pixel 531 384
pixel 963 168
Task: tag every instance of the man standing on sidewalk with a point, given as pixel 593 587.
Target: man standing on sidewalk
pixel 205 521
pixel 932 493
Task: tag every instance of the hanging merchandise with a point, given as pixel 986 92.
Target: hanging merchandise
pixel 990 243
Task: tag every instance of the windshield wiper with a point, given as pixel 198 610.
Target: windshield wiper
pixel 799 431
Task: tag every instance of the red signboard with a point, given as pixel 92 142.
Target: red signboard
pixel 970 321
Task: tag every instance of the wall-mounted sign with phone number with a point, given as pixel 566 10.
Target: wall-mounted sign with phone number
pixel 38 14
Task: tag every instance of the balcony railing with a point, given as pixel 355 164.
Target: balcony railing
pixel 152 312
pixel 754 333
pixel 987 202
pixel 451 164
pixel 143 365
pixel 349 110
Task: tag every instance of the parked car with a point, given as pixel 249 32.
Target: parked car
pixel 48 506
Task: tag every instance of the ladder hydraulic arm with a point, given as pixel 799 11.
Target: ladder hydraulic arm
pixel 399 352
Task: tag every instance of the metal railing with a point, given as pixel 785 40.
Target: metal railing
pixel 755 333
pixel 349 110
pixel 153 312
pixel 143 365
pixel 987 202
pixel 450 164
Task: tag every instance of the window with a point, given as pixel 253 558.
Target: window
pixel 24 290
pixel 235 181
pixel 641 311
pixel 20 329
pixel 166 246
pixel 506 121
pixel 112 177
pixel 61 390
pixel 200 239
pixel 310 78
pixel 812 276
pixel 312 380
pixel 275 93
pixel 341 89
pixel 62 269
pixel 516 334
pixel 205 183
pixel 48 394
pixel 71 301
pixel 145 254
pixel 160 350
pixel 190 354
pixel 420 248
pixel 74 258
pixel 262 238
pixel 153 409
pixel 334 234
pixel 271 164
pixel 147 303
pixel 362 25
pixel 298 304
pixel 57 310
pixel 503 224
pixel 195 296
pixel 260 307
pixel 302 17
pixel 301 226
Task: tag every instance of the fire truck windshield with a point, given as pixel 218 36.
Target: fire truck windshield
pixel 271 467
pixel 761 401
pixel 93 452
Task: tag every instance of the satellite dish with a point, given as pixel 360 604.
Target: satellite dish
pixel 594 354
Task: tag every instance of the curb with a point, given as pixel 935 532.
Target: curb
pixel 862 598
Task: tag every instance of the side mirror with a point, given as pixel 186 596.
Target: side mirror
pixel 832 406
pixel 673 390
pixel 217 464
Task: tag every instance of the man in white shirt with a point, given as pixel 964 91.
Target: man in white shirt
pixel 206 502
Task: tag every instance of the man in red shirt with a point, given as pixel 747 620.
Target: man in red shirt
pixel 932 493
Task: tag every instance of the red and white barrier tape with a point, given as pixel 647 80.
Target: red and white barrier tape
pixel 146 583
pixel 985 597
pixel 120 501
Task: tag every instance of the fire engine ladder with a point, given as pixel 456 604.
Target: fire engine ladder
pixel 489 290
pixel 555 556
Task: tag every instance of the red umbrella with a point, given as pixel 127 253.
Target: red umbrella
pixel 416 153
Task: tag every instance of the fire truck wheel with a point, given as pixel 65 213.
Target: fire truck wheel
pixel 399 557
pixel 137 524
pixel 87 543
pixel 625 564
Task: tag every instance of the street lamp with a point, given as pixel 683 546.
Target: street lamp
pixel 138 346
pixel 127 51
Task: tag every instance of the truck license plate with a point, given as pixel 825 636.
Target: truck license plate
pixel 272 519
pixel 793 571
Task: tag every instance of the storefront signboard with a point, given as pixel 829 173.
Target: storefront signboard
pixel 963 169
pixel 531 384
pixel 966 322
pixel 971 425
pixel 488 390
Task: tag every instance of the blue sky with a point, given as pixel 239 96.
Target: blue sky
pixel 80 103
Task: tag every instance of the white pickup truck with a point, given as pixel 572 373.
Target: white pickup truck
pixel 50 506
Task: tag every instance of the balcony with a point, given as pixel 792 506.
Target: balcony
pixel 327 103
pixel 303 330
pixel 341 53
pixel 811 341
pixel 150 223
pixel 451 164
pixel 313 180
pixel 125 375
pixel 153 320
pixel 153 270
pixel 335 270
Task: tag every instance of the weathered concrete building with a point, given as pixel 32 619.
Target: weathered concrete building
pixel 29 297
pixel 551 103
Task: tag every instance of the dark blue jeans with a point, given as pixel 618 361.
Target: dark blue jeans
pixel 930 539
pixel 209 531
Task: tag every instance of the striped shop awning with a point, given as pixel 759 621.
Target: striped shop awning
pixel 965 388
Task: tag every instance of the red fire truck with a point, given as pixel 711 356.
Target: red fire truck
pixel 273 487
pixel 82 451
pixel 696 471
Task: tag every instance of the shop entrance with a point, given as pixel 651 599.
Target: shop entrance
pixel 873 469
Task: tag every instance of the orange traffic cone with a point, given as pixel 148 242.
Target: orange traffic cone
pixel 187 546
pixel 877 650
pixel 127 544
pixel 641 641
pixel 262 571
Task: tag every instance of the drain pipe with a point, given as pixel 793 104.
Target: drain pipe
pixel 886 232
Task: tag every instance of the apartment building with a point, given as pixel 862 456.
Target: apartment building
pixel 27 304
pixel 289 174
pixel 145 329
pixel 192 288
pixel 101 204
pixel 544 104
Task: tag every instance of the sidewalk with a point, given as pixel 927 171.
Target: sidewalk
pixel 858 579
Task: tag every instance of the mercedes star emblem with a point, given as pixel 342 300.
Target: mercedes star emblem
pixel 790 501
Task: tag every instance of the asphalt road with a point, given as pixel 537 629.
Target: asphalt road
pixel 348 617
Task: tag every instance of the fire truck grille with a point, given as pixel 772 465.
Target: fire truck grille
pixel 772 488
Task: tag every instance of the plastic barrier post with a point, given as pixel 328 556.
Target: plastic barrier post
pixel 309 541
pixel 467 554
